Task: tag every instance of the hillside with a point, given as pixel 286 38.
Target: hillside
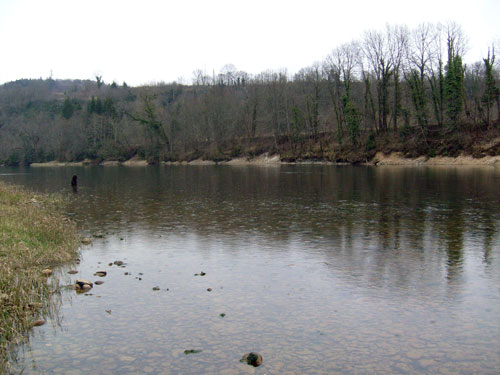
pixel 363 99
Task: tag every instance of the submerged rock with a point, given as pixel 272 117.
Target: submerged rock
pixel 118 262
pixel 252 358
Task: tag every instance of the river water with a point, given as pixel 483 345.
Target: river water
pixel 321 269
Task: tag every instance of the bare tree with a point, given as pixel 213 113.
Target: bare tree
pixel 415 71
pixel 340 70
pixel 377 49
pixel 310 81
pixel 398 46
pixel 200 78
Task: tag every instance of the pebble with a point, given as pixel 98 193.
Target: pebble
pixel 47 272
pixel 86 241
pixel 126 358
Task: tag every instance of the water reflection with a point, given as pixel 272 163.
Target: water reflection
pixel 350 269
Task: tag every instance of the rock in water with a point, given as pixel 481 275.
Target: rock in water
pixel 72 272
pixel 192 351
pixel 82 285
pixel 38 323
pixel 118 262
pixel 252 358
pixel 100 273
pixel 99 282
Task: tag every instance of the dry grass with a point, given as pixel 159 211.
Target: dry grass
pixel 34 235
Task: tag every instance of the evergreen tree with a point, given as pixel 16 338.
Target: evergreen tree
pixel 91 106
pixel 109 107
pixel 67 109
pixel 491 92
pixel 454 85
pixel 351 114
pixel 98 106
pixel 418 96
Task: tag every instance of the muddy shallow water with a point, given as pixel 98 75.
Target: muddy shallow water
pixel 321 269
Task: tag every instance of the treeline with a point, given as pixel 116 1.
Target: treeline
pixel 388 86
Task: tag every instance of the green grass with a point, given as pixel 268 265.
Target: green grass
pixel 34 235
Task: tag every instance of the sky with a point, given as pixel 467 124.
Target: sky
pixel 146 41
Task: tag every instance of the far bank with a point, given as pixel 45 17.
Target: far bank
pixel 440 147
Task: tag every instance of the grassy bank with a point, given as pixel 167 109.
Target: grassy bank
pixel 34 235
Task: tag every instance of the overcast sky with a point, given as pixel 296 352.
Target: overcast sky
pixel 151 41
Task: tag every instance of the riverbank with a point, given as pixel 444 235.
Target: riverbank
pixel 34 237
pixel 380 159
pixel 440 146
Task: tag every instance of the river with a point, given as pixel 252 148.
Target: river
pixel 321 269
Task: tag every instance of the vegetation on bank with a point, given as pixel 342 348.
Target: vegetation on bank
pixel 391 87
pixel 34 235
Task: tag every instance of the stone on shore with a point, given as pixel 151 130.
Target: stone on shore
pixel 46 272
pixel 38 323
pixel 86 241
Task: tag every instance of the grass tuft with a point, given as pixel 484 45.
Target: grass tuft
pixel 34 235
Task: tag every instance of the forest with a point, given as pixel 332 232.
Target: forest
pixel 396 89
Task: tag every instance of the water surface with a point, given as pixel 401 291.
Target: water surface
pixel 321 269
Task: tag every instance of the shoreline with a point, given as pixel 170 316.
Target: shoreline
pixel 380 159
